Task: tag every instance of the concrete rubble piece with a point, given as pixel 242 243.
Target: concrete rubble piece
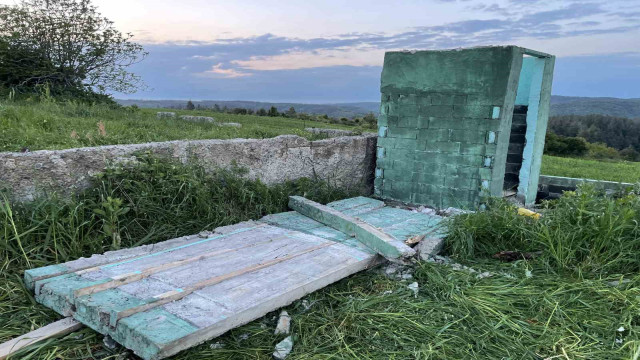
pixel 163 298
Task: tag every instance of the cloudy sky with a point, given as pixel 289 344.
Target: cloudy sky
pixel 332 51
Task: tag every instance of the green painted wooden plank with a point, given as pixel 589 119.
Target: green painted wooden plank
pixel 382 243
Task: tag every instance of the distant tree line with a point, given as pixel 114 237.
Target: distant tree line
pixel 369 120
pixel 594 136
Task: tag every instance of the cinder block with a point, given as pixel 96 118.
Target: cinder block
pixel 478 149
pixel 383 120
pixel 472 111
pixel 460 99
pixel 384 163
pixel 386 142
pixel 434 135
pixel 423 99
pixel 442 99
pixel 403 133
pixel 410 144
pixel 401 154
pixel 431 179
pixel 410 122
pixel 407 99
pixel 459 182
pixel 442 122
pixel 442 146
pixel 468 136
pixel 408 110
pixel 437 110
pixel 465 160
pixel 471 172
pixel 407 166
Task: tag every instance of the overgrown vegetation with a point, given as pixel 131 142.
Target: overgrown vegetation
pixel 579 299
pixel 61 125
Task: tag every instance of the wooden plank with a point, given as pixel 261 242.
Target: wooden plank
pixel 271 301
pixel 382 243
pixel 139 275
pixel 58 328
pixel 81 265
pixel 174 295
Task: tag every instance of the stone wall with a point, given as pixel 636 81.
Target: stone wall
pixel 343 161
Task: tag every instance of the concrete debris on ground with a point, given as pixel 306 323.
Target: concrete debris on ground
pixel 283 348
pixel 429 247
pixel 216 345
pixel 414 287
pixel 192 118
pixel 284 324
pixel 230 124
pixel 451 211
pixel 165 114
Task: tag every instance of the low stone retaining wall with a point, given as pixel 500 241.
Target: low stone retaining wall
pixel 343 161
pixel 551 187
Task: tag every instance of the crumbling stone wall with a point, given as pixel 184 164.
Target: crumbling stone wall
pixel 343 161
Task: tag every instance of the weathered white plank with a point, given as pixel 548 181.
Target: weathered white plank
pixel 58 328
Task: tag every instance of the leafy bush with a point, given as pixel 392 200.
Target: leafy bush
pixel 558 145
pixel 601 151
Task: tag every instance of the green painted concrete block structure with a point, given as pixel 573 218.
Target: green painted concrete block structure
pixel 458 125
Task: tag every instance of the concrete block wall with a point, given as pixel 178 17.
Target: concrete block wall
pixel 445 124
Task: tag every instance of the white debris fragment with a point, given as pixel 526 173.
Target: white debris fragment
pixel 528 274
pixel 165 114
pixel 216 345
pixel 428 247
pixel 406 276
pixel 621 329
pixel 109 343
pixel 414 287
pixel 283 348
pixel 284 323
pixel 244 337
pixel 388 292
pixel 483 275
pixel 450 211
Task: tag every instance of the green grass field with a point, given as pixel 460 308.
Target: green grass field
pixel 50 125
pixel 621 171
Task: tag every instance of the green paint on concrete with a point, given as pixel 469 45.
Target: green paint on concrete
pixel 32 275
pixel 380 242
pixel 442 111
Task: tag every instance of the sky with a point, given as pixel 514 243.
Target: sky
pixel 332 51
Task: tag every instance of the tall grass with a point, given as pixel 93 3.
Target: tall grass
pixel 620 171
pixel 61 125
pixel 581 232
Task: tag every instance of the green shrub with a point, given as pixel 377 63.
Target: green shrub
pixel 558 145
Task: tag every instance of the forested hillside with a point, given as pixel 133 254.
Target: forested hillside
pixel 616 132
pixel 573 105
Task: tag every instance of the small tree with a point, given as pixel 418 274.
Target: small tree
pixel 67 46
pixel 190 105
pixel 273 111
pixel 261 112
pixel 291 112
pixel 370 120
